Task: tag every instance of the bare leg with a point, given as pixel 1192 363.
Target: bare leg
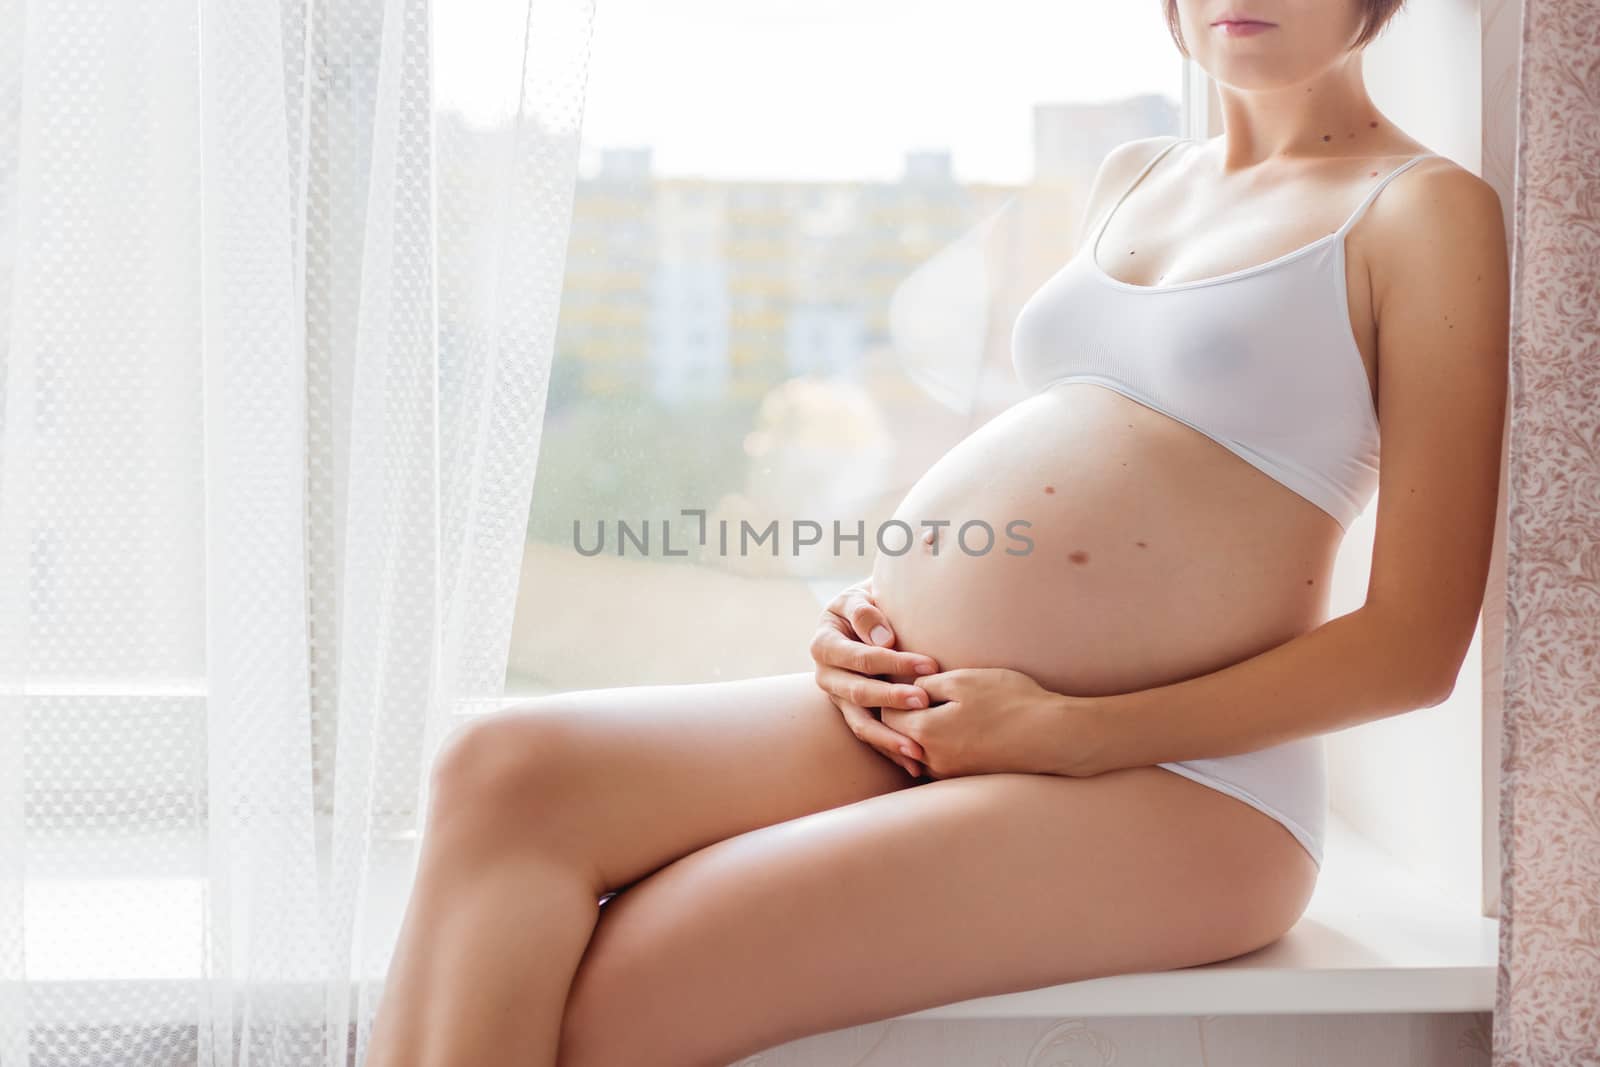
pixel 959 888
pixel 538 810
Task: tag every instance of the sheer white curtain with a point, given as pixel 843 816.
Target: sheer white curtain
pixel 278 289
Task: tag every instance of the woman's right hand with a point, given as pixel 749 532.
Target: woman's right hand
pixel 852 644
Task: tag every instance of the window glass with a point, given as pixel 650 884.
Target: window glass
pixel 800 236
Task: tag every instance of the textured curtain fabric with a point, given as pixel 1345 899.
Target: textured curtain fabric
pixel 278 295
pixel 1548 1005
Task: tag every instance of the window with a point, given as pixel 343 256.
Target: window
pixel 775 226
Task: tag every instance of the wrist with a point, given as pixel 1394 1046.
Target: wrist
pixel 1082 738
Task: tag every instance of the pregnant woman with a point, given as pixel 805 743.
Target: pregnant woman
pixel 1009 771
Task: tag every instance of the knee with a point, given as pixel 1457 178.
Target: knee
pixel 507 768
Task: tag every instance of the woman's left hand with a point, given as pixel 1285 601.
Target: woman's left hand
pixel 985 720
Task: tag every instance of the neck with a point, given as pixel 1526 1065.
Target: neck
pixel 1327 116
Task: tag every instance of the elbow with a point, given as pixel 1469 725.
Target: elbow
pixel 1437 684
pixel 1424 672
pixel 1438 689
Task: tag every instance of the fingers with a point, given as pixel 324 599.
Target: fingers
pixel 845 685
pixel 914 725
pixel 868 619
pixel 836 648
pixel 869 731
pixel 945 686
pixel 855 606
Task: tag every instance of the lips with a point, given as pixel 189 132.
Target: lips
pixel 1241 20
pixel 1249 28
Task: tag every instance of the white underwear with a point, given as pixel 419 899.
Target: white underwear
pixel 1288 782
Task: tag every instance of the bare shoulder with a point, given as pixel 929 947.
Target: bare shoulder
pixel 1118 169
pixel 1439 268
pixel 1436 229
pixel 1127 157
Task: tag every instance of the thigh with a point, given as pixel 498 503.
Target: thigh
pixel 962 887
pixel 625 780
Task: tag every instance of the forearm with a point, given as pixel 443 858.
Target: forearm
pixel 1352 669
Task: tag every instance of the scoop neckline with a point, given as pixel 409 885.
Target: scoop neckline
pixel 1244 272
pixel 1196 283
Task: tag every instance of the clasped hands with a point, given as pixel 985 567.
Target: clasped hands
pixel 973 720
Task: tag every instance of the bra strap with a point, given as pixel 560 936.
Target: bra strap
pixel 1361 208
pixel 1104 222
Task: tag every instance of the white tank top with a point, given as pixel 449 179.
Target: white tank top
pixel 1261 360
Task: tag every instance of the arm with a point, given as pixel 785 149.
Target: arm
pixel 1441 291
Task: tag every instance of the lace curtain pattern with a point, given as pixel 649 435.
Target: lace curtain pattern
pixel 278 320
pixel 1548 1004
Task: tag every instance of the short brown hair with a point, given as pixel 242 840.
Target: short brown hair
pixel 1375 16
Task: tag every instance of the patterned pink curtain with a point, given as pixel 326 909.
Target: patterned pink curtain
pixel 1547 1008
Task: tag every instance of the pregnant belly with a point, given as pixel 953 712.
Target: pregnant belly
pixel 1128 550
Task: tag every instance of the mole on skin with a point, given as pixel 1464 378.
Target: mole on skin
pixel 1078 556
pixel 1049 488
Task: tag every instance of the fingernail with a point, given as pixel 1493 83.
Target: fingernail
pixel 916 700
pixel 926 668
pixel 880 635
pixel 907 750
